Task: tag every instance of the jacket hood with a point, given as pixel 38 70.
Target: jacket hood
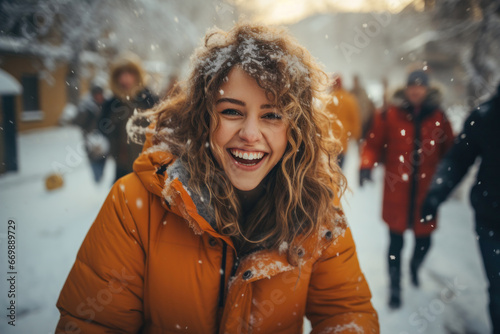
pixel 431 102
pixel 165 176
pixel 128 62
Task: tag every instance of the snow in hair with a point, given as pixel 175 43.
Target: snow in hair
pixel 254 52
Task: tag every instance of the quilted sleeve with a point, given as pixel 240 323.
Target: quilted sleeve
pixel 339 296
pixel 103 292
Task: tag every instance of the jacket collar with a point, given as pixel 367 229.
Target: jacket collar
pixel 431 102
pixel 166 177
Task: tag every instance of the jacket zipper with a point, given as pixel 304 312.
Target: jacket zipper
pixel 235 266
pixel 222 285
pixel 415 161
pixel 237 259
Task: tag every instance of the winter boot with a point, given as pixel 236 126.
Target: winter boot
pixel 422 245
pixel 395 288
pixel 395 298
pixel 414 273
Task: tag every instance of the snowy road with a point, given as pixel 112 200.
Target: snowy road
pixel 51 226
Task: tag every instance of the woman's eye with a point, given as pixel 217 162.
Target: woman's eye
pixel 230 112
pixel 272 116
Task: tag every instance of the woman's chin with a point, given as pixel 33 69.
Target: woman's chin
pixel 245 186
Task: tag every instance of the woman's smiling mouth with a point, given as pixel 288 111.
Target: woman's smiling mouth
pixel 246 158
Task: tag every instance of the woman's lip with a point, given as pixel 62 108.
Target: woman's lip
pixel 246 150
pixel 250 155
pixel 247 168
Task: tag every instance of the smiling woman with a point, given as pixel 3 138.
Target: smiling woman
pixel 239 228
pixel 251 137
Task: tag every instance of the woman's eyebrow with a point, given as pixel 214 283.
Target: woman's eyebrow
pixel 234 101
pixel 241 103
pixel 267 106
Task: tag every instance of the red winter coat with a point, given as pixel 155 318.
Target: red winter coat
pixel 152 263
pixel 410 145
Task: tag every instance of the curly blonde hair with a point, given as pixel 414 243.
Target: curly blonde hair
pixel 303 187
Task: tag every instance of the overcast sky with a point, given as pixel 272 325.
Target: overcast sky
pixel 291 11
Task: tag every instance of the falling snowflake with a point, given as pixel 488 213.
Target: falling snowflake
pixel 335 101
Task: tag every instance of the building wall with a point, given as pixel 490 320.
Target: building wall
pixel 3 168
pixel 51 92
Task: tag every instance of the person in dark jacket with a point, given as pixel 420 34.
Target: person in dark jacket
pixel 129 95
pixel 480 137
pixel 410 137
pixel 366 106
pixel 96 146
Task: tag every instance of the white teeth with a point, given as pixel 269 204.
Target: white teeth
pixel 246 155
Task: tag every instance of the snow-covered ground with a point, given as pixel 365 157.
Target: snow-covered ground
pixel 50 227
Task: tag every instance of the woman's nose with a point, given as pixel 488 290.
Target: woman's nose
pixel 250 131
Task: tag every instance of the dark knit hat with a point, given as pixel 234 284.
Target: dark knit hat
pixel 418 78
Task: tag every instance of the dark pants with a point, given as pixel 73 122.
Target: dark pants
pixel 489 244
pixel 98 169
pixel 422 245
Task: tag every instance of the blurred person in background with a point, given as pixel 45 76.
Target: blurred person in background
pixel 230 222
pixel 344 107
pixel 410 137
pixel 129 95
pixel 366 106
pixel 172 87
pixel 480 138
pixel 87 118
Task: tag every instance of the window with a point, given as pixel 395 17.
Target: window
pixel 31 106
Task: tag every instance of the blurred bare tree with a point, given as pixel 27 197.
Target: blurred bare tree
pixel 158 30
pixel 471 29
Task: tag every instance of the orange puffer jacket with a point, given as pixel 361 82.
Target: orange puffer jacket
pixel 152 263
pixel 344 106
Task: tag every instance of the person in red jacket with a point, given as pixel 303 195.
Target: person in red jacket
pixel 410 137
